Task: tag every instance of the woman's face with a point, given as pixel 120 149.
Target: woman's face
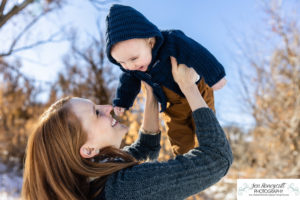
pixel 102 130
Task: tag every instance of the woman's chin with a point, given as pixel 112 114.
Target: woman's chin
pixel 124 129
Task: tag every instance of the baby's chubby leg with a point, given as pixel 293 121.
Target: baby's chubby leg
pixel 178 123
pixel 178 118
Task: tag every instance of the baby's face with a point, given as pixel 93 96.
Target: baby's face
pixel 133 54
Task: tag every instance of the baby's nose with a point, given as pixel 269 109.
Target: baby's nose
pixel 132 66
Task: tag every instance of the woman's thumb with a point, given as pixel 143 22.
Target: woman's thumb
pixel 174 63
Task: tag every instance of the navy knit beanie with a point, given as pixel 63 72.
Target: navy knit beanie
pixel 124 23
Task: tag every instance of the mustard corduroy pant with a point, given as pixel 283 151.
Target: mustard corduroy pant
pixel 178 118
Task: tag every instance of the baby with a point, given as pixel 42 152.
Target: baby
pixel 143 52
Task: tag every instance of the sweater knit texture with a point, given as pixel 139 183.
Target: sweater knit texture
pixel 123 23
pixel 177 178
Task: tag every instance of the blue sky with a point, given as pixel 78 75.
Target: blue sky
pixel 214 24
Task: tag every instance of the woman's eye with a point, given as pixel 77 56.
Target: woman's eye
pixel 97 113
pixel 132 59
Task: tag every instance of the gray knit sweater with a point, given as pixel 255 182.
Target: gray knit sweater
pixel 177 178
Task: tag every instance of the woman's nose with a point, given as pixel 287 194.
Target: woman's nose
pixel 107 109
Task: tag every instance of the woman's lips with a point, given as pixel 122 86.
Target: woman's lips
pixel 115 124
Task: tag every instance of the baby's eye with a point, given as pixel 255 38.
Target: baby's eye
pixel 132 59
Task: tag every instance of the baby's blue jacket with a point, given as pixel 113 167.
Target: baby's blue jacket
pixel 124 23
pixel 186 51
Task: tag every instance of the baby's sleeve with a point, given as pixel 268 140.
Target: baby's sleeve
pixel 128 88
pixel 189 52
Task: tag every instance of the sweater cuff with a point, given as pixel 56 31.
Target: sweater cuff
pixel 149 140
pixel 204 115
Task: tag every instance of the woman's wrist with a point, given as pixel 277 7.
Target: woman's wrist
pixel 150 123
pixel 193 96
pixel 187 88
pixel 151 118
pixel 149 132
pixel 150 99
pixel 149 94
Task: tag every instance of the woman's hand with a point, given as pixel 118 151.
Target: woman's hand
pixel 151 113
pixel 149 93
pixel 186 77
pixel 148 88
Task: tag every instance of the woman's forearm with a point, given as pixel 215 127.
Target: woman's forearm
pixel 193 96
pixel 151 114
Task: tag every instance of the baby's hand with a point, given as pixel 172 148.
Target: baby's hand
pixel 119 110
pixel 220 84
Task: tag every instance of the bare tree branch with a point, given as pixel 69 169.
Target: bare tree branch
pixel 34 21
pixel 2 6
pixel 15 41
pixel 4 65
pixel 41 42
pixel 13 11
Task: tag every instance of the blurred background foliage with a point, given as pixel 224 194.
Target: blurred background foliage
pixel 269 84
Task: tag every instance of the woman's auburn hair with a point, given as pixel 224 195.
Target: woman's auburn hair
pixel 54 168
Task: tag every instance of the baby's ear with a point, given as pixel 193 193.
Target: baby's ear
pixel 151 41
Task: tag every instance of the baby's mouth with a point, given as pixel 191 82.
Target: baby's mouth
pixel 142 69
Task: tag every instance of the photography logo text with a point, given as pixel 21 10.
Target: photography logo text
pixel 254 189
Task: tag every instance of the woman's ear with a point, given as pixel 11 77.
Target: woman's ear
pixel 87 152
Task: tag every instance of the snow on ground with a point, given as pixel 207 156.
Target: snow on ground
pixel 223 190
pixel 10 184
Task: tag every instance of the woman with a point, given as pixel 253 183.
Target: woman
pixel 74 152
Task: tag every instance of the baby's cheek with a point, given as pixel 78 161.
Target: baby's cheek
pixel 124 67
pixel 147 61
